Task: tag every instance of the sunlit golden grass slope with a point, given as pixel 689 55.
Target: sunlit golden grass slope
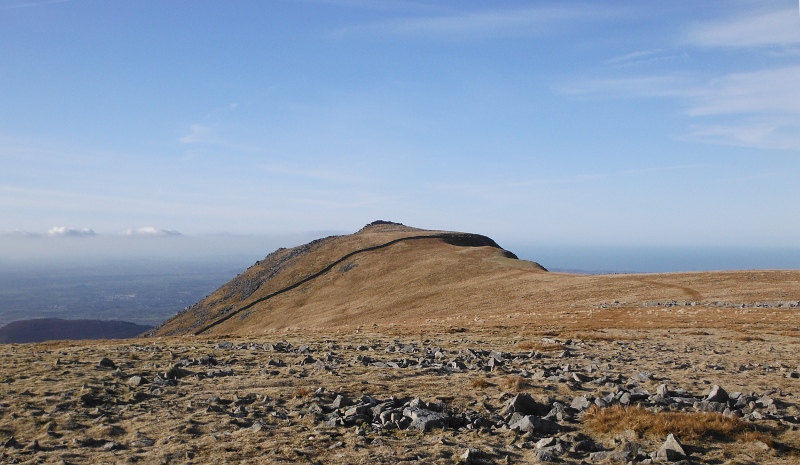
pixel 471 281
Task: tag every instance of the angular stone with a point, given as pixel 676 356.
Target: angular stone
pixel 717 394
pixel 357 410
pixel 425 420
pixel 765 401
pixel 609 456
pixel 340 401
pixel 497 355
pixel 581 403
pixel 470 456
pixel 545 442
pixel 662 390
pixel 533 424
pixel 544 456
pixel 580 377
pixel 671 450
pixel 525 404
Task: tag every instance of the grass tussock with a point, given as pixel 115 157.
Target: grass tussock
pixel 746 338
pixel 479 383
pixel 513 383
pixel 753 436
pixel 588 336
pixel 697 332
pixel 303 391
pixel 539 346
pixel 599 336
pixel 685 425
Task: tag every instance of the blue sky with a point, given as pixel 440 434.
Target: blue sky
pixel 645 123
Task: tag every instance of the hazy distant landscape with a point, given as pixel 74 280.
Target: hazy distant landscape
pixel 139 292
pixel 148 281
pixel 140 280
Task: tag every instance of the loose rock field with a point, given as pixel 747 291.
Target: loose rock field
pixel 448 395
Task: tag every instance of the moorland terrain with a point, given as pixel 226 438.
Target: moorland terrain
pixel 401 345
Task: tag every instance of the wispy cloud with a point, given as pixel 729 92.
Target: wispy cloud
pixel 768 91
pixel 774 28
pixel 31 4
pixel 779 134
pixel 150 231
pixel 320 175
pixel 461 25
pixel 71 232
pixel 645 57
pixel 578 178
pixel 759 108
pixel 18 233
pixel 667 85
pixel 198 133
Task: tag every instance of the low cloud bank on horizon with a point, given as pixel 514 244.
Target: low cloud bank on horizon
pixel 65 231
pixel 71 232
pixel 150 231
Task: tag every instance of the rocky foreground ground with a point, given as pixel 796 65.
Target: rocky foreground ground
pixel 453 395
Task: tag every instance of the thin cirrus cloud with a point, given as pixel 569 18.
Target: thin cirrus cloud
pixel 13 6
pixel 770 91
pixel 478 24
pixel 759 109
pixel 774 28
pixel 767 133
pixel 198 133
pixel 754 108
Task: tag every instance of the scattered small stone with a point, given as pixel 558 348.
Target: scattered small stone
pixel 470 456
pixel 107 363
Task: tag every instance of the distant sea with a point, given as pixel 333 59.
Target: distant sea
pixel 641 259
pixel 147 281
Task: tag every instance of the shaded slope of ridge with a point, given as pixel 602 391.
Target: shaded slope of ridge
pixel 419 277
pixel 287 269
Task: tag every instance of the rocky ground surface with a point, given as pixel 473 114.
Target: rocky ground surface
pixel 455 395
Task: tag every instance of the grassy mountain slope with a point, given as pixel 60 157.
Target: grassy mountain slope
pixel 389 274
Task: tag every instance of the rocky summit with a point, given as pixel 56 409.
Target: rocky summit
pixel 399 345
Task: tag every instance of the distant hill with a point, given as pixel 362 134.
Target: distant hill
pixel 384 266
pixel 388 274
pixel 50 329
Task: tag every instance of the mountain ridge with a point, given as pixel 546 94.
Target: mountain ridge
pixel 374 236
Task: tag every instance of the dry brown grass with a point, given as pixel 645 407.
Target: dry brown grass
pixel 513 383
pixel 539 346
pixel 589 336
pixel 752 436
pixel 685 425
pixel 302 391
pixel 479 383
pixel 746 338
pixel 697 332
